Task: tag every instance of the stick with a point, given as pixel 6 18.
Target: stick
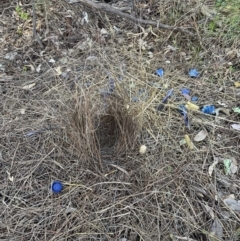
pixel 35 36
pixel 106 8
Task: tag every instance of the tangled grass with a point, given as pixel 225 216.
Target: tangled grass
pixel 83 123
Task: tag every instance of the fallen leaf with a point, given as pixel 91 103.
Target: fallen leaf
pixel 237 84
pixel 103 31
pixel 38 69
pixel 52 61
pixel 31 66
pixel 217 229
pixel 142 149
pixel 58 70
pixel 28 87
pixel 234 166
pixel 70 210
pixel 209 210
pixel 123 239
pixel 64 60
pixel 201 136
pixel 191 106
pixel 10 56
pixel 234 205
pixel 211 168
pixel 236 127
pixel 10 177
pixel 222 104
pixel 182 142
pixel 85 18
pixel 189 142
pixel 227 166
pixel 225 111
pixel 236 110
pixel 22 111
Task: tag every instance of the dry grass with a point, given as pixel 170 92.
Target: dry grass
pixel 68 128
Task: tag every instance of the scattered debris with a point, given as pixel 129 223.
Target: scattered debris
pixel 236 110
pixel 194 99
pixel 209 109
pixel 160 72
pixel 28 87
pixel 189 142
pixel 142 149
pixel 217 229
pixel 201 136
pixel 161 106
pixel 236 127
pixel 185 91
pixel 211 168
pixel 191 106
pixel 237 84
pixel 193 73
pixel 233 204
pixel 230 166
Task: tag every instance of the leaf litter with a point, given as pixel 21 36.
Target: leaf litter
pixel 100 145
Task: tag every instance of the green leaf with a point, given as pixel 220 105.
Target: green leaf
pixel 227 166
pixel 236 110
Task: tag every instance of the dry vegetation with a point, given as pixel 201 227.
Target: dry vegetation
pixel 69 113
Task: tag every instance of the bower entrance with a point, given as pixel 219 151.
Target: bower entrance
pixel 118 128
pixel 103 132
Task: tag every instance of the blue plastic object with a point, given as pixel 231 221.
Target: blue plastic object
pixel 161 105
pixel 160 72
pixel 194 99
pixel 185 91
pixel 193 73
pixel 209 109
pixel 169 93
pixel 56 187
pixel 135 99
pixel 182 109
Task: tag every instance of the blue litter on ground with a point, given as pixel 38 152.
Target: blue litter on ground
pixel 161 105
pixel 209 109
pixel 169 93
pixel 194 99
pixel 182 109
pixel 135 99
pixel 193 73
pixel 185 91
pixel 160 72
pixel 56 187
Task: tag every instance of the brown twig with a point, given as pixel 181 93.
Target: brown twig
pixel 106 8
pixel 35 36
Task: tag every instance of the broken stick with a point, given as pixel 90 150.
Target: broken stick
pixel 107 8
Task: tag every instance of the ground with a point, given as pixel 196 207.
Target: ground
pixel 82 104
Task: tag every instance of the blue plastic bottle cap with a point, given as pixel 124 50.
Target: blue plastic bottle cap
pixel 193 73
pixel 209 109
pixel 185 91
pixel 160 72
pixel 57 186
pixel 194 99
